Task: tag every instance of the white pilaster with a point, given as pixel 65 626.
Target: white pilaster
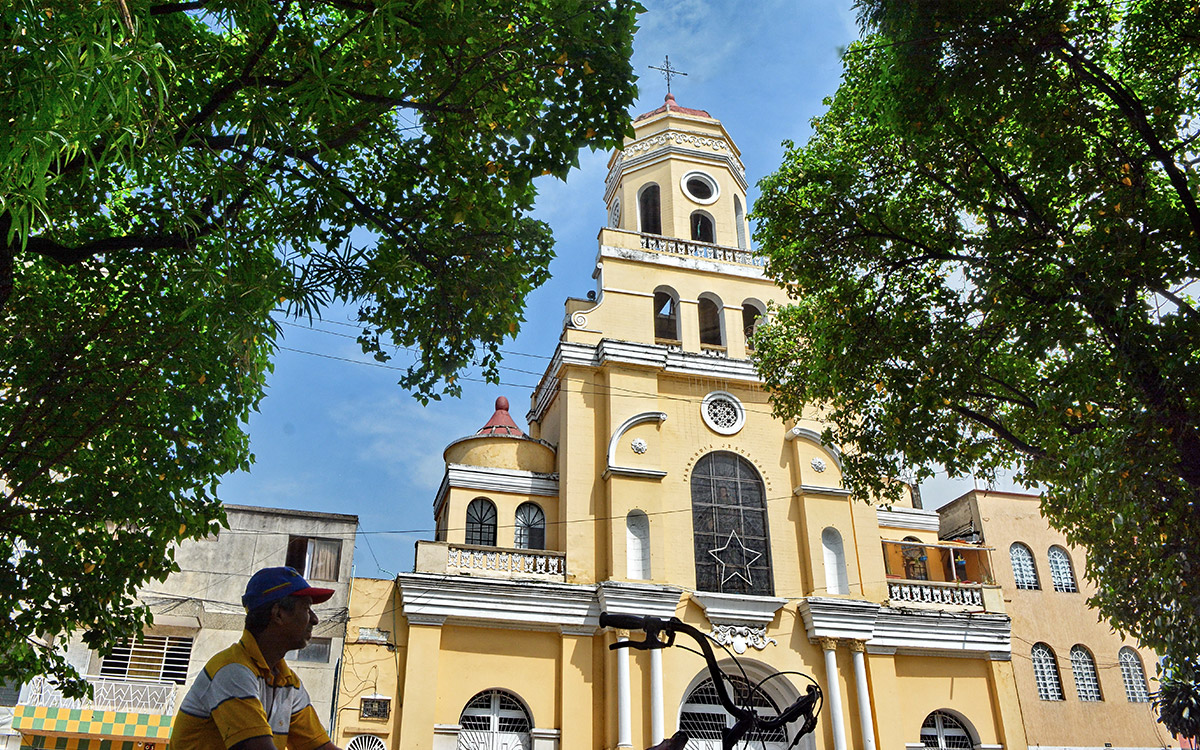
pixel 624 723
pixel 833 692
pixel 656 696
pixel 863 690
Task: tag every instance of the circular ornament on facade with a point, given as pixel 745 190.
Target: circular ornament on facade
pixel 639 446
pixel 700 187
pixel 614 214
pixel 723 413
pixel 818 465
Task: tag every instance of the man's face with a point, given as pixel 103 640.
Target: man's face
pixel 297 625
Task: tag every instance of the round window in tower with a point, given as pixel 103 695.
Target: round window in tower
pixel 723 413
pixel 614 214
pixel 700 187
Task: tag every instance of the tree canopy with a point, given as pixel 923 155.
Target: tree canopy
pixel 991 241
pixel 174 176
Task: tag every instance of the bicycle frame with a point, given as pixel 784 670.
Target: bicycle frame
pixel 746 720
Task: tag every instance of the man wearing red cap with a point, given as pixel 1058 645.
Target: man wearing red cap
pixel 247 698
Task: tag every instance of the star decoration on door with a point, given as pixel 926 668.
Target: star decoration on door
pixel 734 559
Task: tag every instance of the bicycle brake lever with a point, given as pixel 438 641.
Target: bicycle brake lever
pixel 650 642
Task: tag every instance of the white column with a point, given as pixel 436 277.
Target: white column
pixel 656 696
pixel 624 725
pixel 833 693
pixel 862 689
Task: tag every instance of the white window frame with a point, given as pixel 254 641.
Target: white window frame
pixel 947 730
pixel 1023 568
pixel 145 659
pixel 1045 673
pixel 1133 674
pixel 1062 573
pixel 1087 680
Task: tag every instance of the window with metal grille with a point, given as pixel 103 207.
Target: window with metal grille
pixel 941 730
pixel 703 717
pixel 1134 676
pixel 1045 673
pixel 316 559
pixel 1061 574
pixel 481 522
pixel 1024 571
pixel 729 526
pixel 155 658
pixel 366 742
pixel 375 707
pixel 495 718
pixel 530 532
pixel 1083 668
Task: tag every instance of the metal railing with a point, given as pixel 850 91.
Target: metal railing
pixel 108 694
pixel 694 249
pixel 936 592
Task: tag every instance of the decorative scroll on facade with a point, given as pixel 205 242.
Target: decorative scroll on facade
pixel 740 637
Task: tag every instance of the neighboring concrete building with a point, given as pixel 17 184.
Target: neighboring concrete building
pixel 1080 684
pixel 197 612
pixel 655 480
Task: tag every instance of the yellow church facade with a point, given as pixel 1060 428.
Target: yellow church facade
pixel 652 479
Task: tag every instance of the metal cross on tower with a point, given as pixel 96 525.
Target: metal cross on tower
pixel 668 71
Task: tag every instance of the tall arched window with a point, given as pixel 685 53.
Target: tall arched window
pixel 666 314
pixel 729 523
pixel 703 717
pixel 1024 572
pixel 1061 574
pixel 941 730
pixel 649 210
pixel 710 320
pixel 531 527
pixel 702 227
pixel 835 562
pixel 495 719
pixel 481 522
pixel 752 314
pixel 739 220
pixel 1045 673
pixel 1083 668
pixel 1134 676
pixel 637 546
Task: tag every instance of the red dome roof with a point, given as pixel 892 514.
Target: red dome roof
pixel 670 105
pixel 501 424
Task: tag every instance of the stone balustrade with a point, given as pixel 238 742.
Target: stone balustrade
pixel 491 562
pixel 936 592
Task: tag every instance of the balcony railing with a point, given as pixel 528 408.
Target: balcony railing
pixel 491 562
pixel 108 694
pixel 936 592
pixel 695 249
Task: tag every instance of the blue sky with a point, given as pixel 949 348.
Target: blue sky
pixel 335 433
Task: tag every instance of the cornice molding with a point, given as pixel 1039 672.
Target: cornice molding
pixel 890 630
pixel 619 597
pixel 738 609
pixel 838 618
pixel 524 605
pixel 490 479
pixel 812 489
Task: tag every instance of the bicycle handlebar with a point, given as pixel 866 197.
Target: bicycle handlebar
pixel 746 719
